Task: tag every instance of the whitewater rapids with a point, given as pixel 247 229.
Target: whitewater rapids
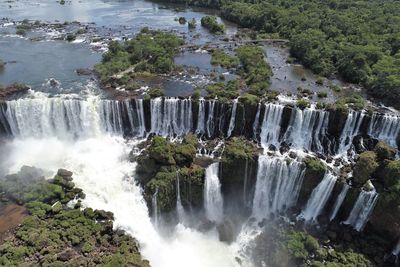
pixel 102 170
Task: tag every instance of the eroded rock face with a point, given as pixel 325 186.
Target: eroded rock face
pixel 12 90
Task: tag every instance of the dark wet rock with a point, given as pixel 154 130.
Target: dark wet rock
pixel 284 148
pixel 226 232
pixel 54 83
pixel 84 72
pixel 64 173
pixel 292 154
pixel 13 90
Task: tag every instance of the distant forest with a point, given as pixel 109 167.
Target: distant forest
pixel 359 40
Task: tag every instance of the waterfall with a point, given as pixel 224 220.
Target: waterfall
pixel 136 117
pixel 201 117
pixel 318 198
pixel 396 250
pixel 171 116
pixel 385 127
pixel 179 208
pixel 156 211
pixel 306 128
pixel 210 124
pixel 277 187
pixel 362 209
pixel 256 123
pixel 233 119
pixel 339 201
pixel 213 201
pixel 351 129
pixel 72 118
pixel 271 125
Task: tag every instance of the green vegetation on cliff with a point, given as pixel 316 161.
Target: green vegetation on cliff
pixel 365 167
pixel 162 163
pixel 54 234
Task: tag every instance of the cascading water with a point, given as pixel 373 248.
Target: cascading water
pixel 213 201
pixel 256 123
pixel 350 130
pixel 318 198
pixel 306 128
pixel 200 129
pixel 362 209
pixel 179 208
pixel 171 116
pixel 339 201
pixel 233 118
pixel 210 123
pixel 156 211
pixel 385 127
pixel 277 187
pixel 271 125
pixel 72 118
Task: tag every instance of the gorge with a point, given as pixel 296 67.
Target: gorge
pixel 198 164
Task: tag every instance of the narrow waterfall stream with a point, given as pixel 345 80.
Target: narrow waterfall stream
pixel 271 125
pixel 179 207
pixel 213 201
pixel 318 198
pixel 362 209
pixel 339 201
pixel 351 128
pixel 233 118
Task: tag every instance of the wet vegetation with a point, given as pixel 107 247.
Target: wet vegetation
pixel 211 23
pixel 150 51
pixel 162 163
pixel 53 234
pixel 358 40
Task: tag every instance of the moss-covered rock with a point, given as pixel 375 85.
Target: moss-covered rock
pixel 365 166
pixel 314 172
pixel 384 152
pixel 55 235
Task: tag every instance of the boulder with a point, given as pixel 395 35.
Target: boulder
pixel 64 173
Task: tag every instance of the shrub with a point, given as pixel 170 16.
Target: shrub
pixel 320 81
pixel 192 24
pixel 303 103
pixel 211 23
pixel 249 99
pixel 182 20
pixel 315 166
pixel 219 57
pixel 384 151
pixel 322 94
pixel 365 166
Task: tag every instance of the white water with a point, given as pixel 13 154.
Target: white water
pixel 102 171
pixel 351 129
pixel 306 128
pixel 277 187
pixel 210 124
pixel 156 212
pixel 213 201
pixel 179 208
pixel 385 127
pixel 271 125
pixel 362 209
pixel 233 118
pixel 201 117
pixel 171 116
pixel 318 198
pixel 339 201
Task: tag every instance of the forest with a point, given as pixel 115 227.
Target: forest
pixel 357 40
